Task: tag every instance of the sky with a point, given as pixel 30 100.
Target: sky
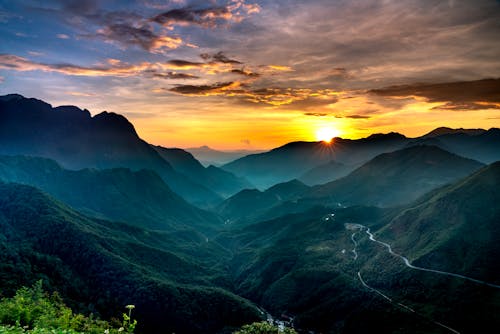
pixel 244 74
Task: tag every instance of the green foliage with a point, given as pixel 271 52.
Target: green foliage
pixel 264 328
pixel 34 311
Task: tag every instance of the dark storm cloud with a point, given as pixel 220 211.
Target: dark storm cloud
pixel 478 94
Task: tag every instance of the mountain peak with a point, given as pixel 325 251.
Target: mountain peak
pixel 390 135
pixel 446 131
pixel 114 121
pixel 11 97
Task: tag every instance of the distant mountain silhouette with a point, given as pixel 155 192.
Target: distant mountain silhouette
pixel 208 156
pixel 222 182
pixel 475 144
pixel 140 198
pixel 76 140
pixel 396 178
pixel 102 266
pixel 447 131
pixel 294 159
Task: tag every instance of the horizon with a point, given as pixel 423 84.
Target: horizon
pixel 252 150
pixel 254 75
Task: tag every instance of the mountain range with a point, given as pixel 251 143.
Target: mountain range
pixel 383 234
pixel 312 161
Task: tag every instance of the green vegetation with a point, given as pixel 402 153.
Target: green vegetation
pixel 140 198
pixel 34 311
pixel 98 266
pixel 264 328
pixel 133 239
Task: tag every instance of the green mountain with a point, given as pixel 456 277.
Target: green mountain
pixel 303 265
pixel 76 140
pixel 250 204
pixel 100 266
pixel 294 159
pixel 455 227
pixel 140 198
pixel 396 178
pixel 222 182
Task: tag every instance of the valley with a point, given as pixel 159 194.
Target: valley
pixel 400 235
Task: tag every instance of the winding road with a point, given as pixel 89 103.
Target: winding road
pixel 359 228
pixel 409 265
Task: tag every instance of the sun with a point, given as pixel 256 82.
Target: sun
pixel 326 134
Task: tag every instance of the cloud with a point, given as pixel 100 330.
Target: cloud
pixel 215 65
pixel 62 36
pixel 179 64
pixel 205 90
pixel 114 67
pixel 174 75
pixel 316 114
pixel 355 116
pixel 280 68
pixel 81 94
pixel 245 73
pixel 295 98
pixel 463 95
pixel 218 57
pixel 142 36
pixel 210 17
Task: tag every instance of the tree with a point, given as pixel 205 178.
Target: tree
pixel 264 328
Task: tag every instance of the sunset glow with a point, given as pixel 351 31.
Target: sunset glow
pixel 326 134
pixel 247 74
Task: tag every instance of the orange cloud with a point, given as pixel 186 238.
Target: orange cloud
pixel 271 96
pixel 116 68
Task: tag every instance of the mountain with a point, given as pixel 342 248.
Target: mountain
pixel 322 268
pixel 140 198
pixel 475 144
pixel 301 266
pixel 101 266
pixel 208 156
pixel 222 182
pixel 76 140
pixel 455 227
pixel 441 131
pixel 330 171
pixel 294 159
pixel 249 204
pixel 396 178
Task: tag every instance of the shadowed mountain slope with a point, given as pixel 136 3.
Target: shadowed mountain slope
pixel 396 178
pixel 140 198
pixel 294 159
pixel 214 178
pixel 103 266
pixel 76 140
